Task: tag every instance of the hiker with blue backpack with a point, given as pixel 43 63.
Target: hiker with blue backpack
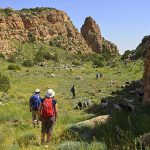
pixel 34 103
pixel 48 115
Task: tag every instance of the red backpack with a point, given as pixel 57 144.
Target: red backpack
pixel 47 108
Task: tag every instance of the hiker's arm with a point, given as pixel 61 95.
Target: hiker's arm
pixel 30 104
pixel 39 109
pixel 56 111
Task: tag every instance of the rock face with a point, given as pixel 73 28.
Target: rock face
pixel 109 47
pixel 145 45
pixel 92 35
pixel 40 24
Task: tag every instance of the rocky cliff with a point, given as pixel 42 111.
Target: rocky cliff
pixel 92 35
pixel 145 46
pixel 53 26
pixel 39 24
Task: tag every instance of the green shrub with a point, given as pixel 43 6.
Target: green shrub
pixel 38 58
pixel 13 67
pixel 27 63
pixel 44 54
pixel 2 56
pixel 12 59
pixel 77 63
pixel 4 83
pixel 74 145
pixel 8 10
pixel 2 139
pixel 98 62
pixel 31 37
pixel 13 146
pixel 27 139
pixel 37 9
pixel 70 145
pixel 139 53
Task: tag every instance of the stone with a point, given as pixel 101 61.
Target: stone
pixel 42 64
pixel 79 77
pixel 94 121
pixel 145 139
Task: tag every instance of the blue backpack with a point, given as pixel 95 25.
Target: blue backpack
pixel 35 101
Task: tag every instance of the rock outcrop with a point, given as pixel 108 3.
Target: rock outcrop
pixel 40 24
pixel 145 46
pixel 109 47
pixel 145 43
pixel 145 140
pixel 92 35
pixel 94 121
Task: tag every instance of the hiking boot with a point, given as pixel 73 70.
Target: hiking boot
pixel 48 141
pixel 48 137
pixel 42 141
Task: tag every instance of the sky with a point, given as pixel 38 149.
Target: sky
pixel 123 22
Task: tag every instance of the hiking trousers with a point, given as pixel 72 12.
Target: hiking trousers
pixel 35 119
pixel 47 125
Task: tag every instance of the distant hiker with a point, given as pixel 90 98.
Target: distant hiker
pixel 48 115
pixel 73 91
pixel 125 62
pixel 80 105
pixel 97 75
pixel 100 75
pixel 34 103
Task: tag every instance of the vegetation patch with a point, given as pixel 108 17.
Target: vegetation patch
pixel 4 83
pixel 13 67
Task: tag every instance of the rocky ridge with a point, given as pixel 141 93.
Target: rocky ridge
pixel 40 25
pixel 53 26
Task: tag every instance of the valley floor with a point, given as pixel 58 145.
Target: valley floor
pixel 17 132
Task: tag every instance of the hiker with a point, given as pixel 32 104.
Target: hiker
pixel 80 105
pixel 97 75
pixel 34 103
pixel 48 115
pixel 73 91
pixel 125 62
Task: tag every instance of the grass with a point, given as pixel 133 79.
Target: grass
pixel 15 118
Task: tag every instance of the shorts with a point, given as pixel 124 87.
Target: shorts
pixel 47 125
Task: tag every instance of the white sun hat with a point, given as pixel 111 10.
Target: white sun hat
pixel 50 93
pixel 37 90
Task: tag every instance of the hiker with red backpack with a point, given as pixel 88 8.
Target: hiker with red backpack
pixel 48 114
pixel 34 103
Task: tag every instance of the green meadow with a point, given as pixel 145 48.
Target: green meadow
pixel 16 129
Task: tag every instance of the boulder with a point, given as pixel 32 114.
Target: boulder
pixel 145 139
pixel 79 77
pixel 94 121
